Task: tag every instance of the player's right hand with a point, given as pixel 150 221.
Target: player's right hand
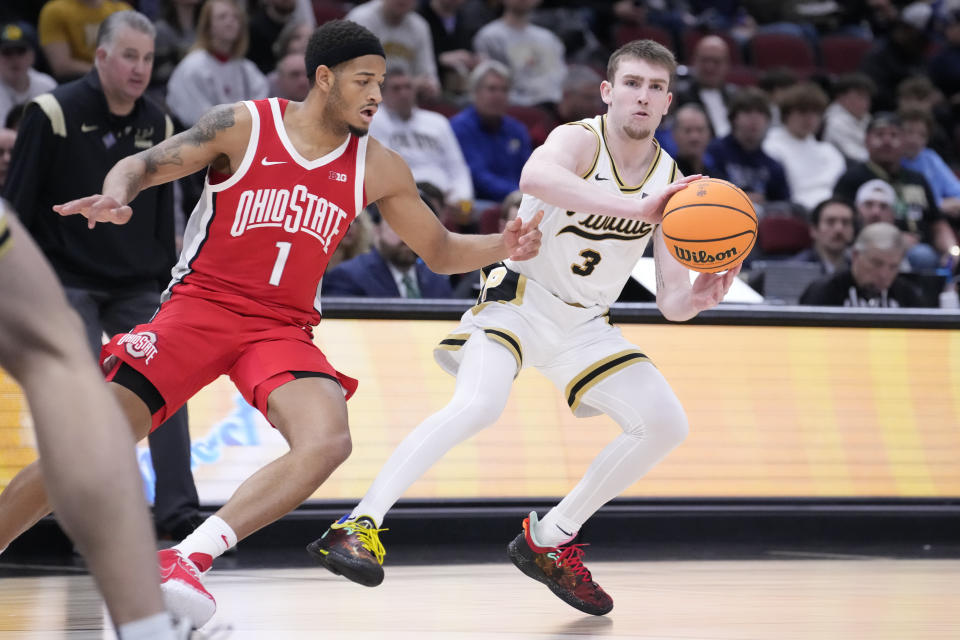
pixel 96 208
pixel 652 207
pixel 523 238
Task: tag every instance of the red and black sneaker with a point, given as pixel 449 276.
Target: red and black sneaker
pixel 351 548
pixel 561 569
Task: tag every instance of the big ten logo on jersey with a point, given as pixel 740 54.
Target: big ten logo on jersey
pixel 293 211
pixel 491 281
pixel 337 176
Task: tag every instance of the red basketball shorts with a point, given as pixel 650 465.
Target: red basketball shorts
pixel 191 342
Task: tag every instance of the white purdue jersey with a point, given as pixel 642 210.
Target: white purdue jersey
pixel 586 258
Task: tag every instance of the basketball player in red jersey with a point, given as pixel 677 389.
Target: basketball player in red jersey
pixel 285 180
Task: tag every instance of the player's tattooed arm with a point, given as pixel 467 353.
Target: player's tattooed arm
pixel 210 124
pixel 219 140
pixel 219 135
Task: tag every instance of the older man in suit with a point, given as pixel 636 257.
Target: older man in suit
pixel 708 84
pixel 389 270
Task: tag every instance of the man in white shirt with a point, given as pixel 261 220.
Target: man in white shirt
pixel 846 118
pixel 534 55
pixel 19 81
pixel 424 139
pixel 812 166
pixel 405 34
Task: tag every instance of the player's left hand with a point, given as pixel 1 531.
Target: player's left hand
pixel 523 238
pixel 710 288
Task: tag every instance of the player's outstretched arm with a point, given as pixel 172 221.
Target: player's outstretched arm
pixel 396 195
pixel 219 139
pixel 677 298
pixel 553 174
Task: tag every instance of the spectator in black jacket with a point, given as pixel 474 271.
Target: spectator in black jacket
pixel 112 274
pixel 452 42
pixel 900 54
pixel 873 277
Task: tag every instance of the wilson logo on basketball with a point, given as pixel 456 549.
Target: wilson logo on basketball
pixel 702 257
pixel 140 345
pixel 710 226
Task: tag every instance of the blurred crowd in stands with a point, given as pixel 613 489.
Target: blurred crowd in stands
pixel 841 120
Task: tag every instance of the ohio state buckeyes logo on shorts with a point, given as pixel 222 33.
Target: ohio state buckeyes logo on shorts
pixel 140 345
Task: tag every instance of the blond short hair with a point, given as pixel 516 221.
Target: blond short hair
pixel 647 50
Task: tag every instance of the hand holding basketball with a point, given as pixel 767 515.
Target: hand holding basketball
pixel 651 208
pixel 710 288
pixel 96 208
pixel 710 226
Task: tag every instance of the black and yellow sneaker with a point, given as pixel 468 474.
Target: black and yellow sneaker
pixel 561 569
pixel 351 548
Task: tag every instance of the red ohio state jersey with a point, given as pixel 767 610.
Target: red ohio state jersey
pixel 259 240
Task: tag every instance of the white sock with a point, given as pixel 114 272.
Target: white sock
pixel 156 627
pixel 555 530
pixel 207 542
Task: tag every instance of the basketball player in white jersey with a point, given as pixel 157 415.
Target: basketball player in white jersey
pixel 602 183
pixel 86 448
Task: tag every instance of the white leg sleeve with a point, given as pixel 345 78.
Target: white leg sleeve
pixel 483 386
pixel 653 424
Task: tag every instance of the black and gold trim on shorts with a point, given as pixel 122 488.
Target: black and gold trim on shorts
pixel 597 372
pixel 500 285
pixel 454 341
pixel 624 188
pixel 509 340
pixel 596 154
pixel 6 240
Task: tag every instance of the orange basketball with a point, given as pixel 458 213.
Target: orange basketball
pixel 710 226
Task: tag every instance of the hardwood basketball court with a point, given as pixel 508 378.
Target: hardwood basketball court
pixel 794 598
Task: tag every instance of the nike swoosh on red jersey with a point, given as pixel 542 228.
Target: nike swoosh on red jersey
pixel 267 163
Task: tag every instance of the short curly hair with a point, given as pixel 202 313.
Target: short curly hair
pixel 337 42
